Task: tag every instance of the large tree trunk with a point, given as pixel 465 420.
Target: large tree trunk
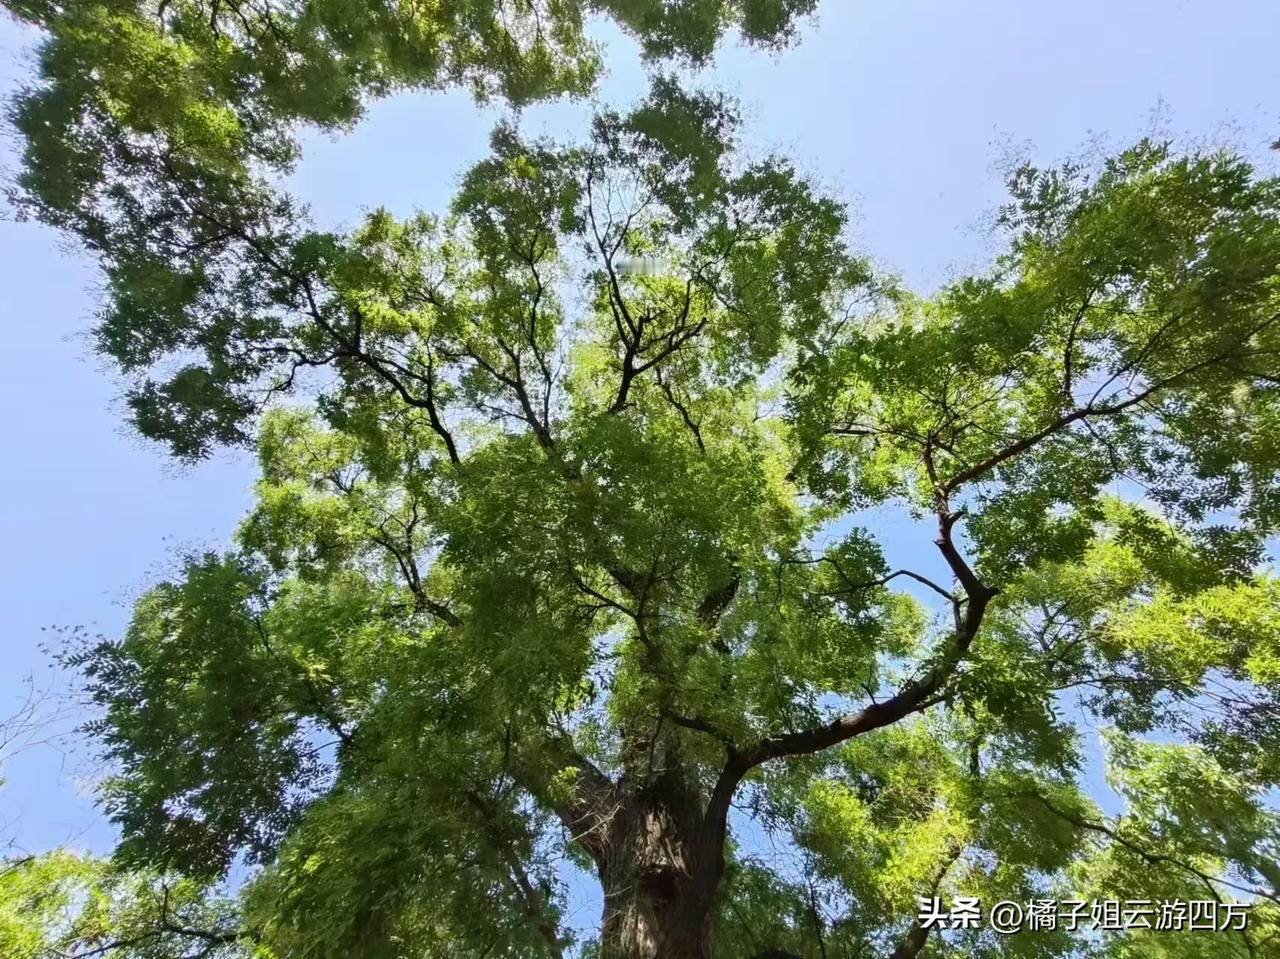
pixel 659 873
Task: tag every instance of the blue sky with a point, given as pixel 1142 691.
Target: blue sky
pixel 907 110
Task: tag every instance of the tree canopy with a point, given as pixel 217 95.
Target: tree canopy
pixel 570 535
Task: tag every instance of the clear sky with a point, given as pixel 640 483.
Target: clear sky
pixel 906 109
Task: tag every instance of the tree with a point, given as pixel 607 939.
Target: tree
pixel 564 544
pixel 61 904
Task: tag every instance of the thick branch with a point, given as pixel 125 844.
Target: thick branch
pixel 916 695
pixel 715 603
pixel 911 944
pixel 584 806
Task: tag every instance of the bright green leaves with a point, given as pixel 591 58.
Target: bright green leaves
pixel 1192 830
pixel 1011 696
pixel 552 532
pixel 519 201
pixel 1123 346
pixel 805 260
pixel 398 869
pixel 1209 662
pixel 1028 820
pixel 759 906
pixel 220 299
pixel 110 76
pixel 35 896
pixel 816 628
pixel 226 82
pixel 1152 628
pixel 1099 349
pixel 705 269
pixel 378 275
pixel 153 136
pixel 60 904
pixel 223 84
pixel 905 812
pixel 1181 795
pixel 887 831
pixel 1232 629
pixel 677 144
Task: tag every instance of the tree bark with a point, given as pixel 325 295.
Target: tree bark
pixel 659 872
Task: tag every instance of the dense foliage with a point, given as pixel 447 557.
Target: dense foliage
pixel 569 541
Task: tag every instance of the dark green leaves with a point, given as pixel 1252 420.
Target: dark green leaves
pixel 206 720
pixel 690 28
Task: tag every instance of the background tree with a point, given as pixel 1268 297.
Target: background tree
pixel 63 904
pixel 59 905
pixel 554 555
